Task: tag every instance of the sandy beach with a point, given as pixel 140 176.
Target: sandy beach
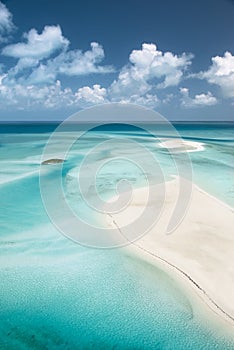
pixel 199 252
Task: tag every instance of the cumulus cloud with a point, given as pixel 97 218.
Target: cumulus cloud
pixel 221 73
pixel 78 63
pixel 52 96
pixel 87 96
pixel 71 63
pixel 38 46
pixel 6 23
pixel 43 57
pixel 28 97
pixel 147 65
pixel 200 100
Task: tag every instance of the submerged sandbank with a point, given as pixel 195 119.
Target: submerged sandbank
pixel 200 250
pixel 180 145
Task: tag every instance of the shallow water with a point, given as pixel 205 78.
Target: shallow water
pixel 56 294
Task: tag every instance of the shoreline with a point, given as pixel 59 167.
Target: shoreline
pixel 197 273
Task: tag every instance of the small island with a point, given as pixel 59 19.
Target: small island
pixel 52 161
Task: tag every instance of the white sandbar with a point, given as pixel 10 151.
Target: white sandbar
pixel 180 145
pixel 200 251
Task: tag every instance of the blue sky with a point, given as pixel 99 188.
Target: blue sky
pixel 176 57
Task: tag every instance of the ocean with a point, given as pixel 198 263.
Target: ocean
pixel 58 294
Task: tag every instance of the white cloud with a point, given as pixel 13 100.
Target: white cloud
pixel 129 83
pixel 87 96
pixel 221 73
pixel 45 58
pixel 147 65
pixel 51 96
pixel 38 46
pixel 31 96
pixel 152 63
pixel 35 66
pixel 6 23
pixel 147 100
pixel 78 63
pixel 71 63
pixel 33 81
pixel 200 100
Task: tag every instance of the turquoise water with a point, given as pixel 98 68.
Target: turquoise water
pixel 56 294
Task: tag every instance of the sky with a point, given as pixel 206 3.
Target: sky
pixel 58 57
